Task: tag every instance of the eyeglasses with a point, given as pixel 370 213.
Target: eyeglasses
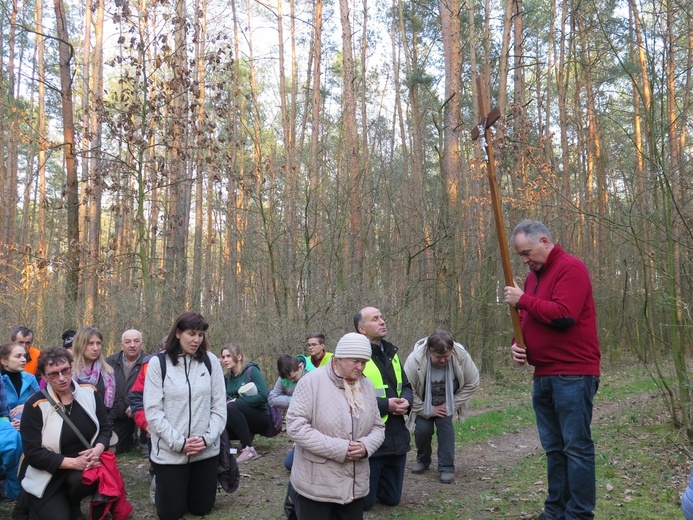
pixel 53 376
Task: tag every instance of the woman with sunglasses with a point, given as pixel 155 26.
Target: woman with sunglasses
pixel 54 455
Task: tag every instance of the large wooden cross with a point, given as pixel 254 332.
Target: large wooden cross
pixel 482 130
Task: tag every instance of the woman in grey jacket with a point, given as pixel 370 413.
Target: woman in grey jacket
pixel 186 413
pixel 334 420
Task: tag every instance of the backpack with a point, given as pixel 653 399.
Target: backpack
pixel 228 474
pixel 276 416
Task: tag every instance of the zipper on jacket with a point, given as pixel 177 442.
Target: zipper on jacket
pixel 187 380
pixel 353 463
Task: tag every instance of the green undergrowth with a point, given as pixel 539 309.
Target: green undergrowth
pixel 494 422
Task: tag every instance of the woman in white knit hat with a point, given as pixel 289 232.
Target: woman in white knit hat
pixel 334 420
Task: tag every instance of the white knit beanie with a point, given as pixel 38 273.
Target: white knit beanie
pixel 353 345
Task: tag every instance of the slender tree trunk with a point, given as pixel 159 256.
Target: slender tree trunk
pixel 200 138
pixel 65 57
pixel 85 152
pixel 95 175
pixel 314 184
pixel 596 176
pixel 675 231
pixel 504 58
pixel 42 245
pixel 562 82
pixel 9 205
pixel 450 158
pixel 519 114
pixel 179 189
pixel 352 163
pixel 41 131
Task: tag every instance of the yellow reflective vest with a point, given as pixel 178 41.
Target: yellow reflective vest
pixel 326 359
pixel 372 372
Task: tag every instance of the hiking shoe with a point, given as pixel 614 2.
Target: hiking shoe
pixel 248 454
pixel 541 517
pixel 446 477
pixel 419 467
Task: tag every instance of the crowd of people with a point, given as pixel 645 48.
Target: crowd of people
pixel 350 413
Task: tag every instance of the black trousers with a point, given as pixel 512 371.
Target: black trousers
pixel 182 488
pixel 61 502
pixel 307 509
pixel 243 421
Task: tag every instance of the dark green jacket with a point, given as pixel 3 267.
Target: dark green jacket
pixel 250 372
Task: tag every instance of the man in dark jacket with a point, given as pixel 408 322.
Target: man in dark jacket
pixel 395 397
pixel 126 365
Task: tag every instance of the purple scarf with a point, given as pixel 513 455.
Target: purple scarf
pixel 91 377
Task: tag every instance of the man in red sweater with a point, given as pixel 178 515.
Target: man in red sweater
pixel 559 326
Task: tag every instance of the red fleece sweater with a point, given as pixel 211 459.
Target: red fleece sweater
pixel 559 321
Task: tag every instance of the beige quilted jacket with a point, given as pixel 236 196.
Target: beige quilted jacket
pixel 320 422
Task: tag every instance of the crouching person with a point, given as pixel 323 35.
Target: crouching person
pixel 291 369
pixel 334 421
pixel 54 454
pixel 443 377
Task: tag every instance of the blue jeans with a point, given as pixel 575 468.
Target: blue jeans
pixel 289 459
pixel 387 476
pixel 563 406
pixel 446 441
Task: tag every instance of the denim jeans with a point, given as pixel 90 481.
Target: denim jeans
pixel 289 459
pixel 446 441
pixel 563 406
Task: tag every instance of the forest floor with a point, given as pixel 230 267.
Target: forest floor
pixel 642 463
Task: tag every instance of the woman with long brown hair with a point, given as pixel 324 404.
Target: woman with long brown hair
pixel 186 412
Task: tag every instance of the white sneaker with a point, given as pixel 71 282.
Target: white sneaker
pixel 152 490
pixel 248 454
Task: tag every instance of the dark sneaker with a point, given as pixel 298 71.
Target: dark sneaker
pixel 419 467
pixel 446 477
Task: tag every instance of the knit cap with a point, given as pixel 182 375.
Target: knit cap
pixel 353 345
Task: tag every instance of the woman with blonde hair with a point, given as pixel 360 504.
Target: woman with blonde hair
pixel 247 413
pixel 90 365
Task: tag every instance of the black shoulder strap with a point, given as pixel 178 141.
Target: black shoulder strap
pixel 162 361
pixel 249 374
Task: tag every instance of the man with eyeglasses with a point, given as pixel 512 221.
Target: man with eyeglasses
pixel 394 396
pixel 316 349
pixel 24 336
